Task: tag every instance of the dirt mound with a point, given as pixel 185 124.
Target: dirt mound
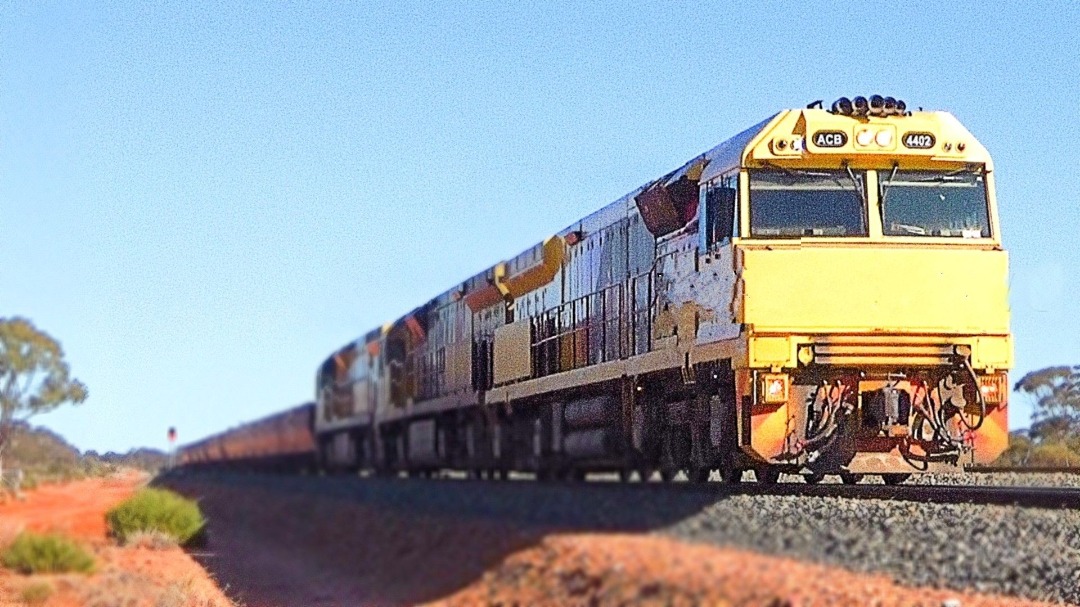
pixel 570 571
pixel 647 570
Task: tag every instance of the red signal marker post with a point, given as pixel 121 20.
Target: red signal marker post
pixel 172 447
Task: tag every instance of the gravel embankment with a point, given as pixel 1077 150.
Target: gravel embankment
pixel 1001 479
pixel 1026 552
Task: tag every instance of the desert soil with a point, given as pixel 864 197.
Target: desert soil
pixel 316 545
pixel 125 576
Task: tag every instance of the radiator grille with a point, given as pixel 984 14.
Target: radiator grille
pixel 874 354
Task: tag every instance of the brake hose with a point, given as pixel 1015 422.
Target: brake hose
pixel 979 395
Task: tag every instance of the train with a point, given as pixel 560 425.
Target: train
pixel 282 442
pixel 824 293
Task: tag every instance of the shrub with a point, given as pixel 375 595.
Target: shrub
pixel 1018 452
pixel 29 482
pixel 1053 454
pixel 49 553
pixel 156 510
pixel 37 593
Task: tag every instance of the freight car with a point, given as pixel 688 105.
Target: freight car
pixel 283 441
pixel 823 293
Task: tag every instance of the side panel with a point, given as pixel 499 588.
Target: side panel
pixel 714 287
pixel 512 352
pixel 694 294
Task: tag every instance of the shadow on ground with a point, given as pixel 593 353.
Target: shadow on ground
pixel 344 541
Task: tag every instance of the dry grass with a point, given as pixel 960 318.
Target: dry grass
pixel 36 593
pixel 187 595
pixel 152 540
pixel 123 589
pixel 9 530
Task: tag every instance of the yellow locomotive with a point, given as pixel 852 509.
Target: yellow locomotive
pixel 823 293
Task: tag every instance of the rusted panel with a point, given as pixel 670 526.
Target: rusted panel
pixel 483 298
pixel 658 211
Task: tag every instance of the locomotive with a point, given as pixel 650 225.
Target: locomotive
pixel 823 293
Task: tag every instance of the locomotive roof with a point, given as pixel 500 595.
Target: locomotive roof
pixel 751 145
pixel 719 159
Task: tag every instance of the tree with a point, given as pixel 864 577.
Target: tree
pixel 1057 402
pixel 34 377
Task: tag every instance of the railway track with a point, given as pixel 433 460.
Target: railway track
pixel 1046 497
pixel 988 495
pixel 1025 469
pixel 1024 497
pixel 984 494
pixel 1009 539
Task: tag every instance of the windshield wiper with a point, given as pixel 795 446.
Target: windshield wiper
pixel 943 177
pixel 862 194
pixel 885 189
pixel 798 172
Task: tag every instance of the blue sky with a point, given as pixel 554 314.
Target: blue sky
pixel 202 201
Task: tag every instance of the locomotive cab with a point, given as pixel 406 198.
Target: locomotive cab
pixel 871 287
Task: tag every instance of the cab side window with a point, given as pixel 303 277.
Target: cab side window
pixel 718 210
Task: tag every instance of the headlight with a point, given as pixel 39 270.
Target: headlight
pixel 993 388
pixel 774 388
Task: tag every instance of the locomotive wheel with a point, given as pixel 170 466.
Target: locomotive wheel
pixel 668 468
pixel 767 476
pixel 729 474
pixel 814 478
pixel 698 474
pixel 624 475
pixel 894 479
pixel 645 473
pixel 850 478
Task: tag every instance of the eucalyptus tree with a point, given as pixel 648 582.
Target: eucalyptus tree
pixel 1056 391
pixel 34 377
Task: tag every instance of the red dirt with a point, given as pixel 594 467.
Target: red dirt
pixel 275 548
pixel 585 569
pixel 70 508
pixel 125 576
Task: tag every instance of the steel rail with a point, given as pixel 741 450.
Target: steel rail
pixel 1025 497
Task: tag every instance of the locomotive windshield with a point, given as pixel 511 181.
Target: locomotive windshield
pixel 934 203
pixel 796 203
